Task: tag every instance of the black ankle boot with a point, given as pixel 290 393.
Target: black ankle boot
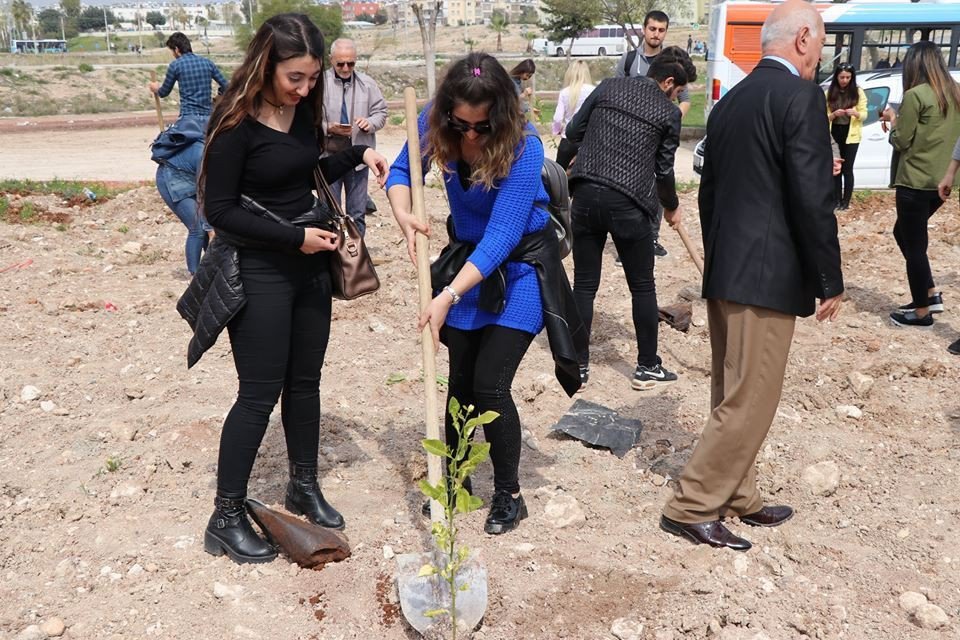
pixel 230 532
pixel 425 507
pixel 506 512
pixel 304 498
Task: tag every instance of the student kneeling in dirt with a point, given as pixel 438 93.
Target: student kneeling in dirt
pixel 508 280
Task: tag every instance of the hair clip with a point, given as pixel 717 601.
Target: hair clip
pixel 476 71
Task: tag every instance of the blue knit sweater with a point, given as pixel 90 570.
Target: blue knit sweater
pixel 494 220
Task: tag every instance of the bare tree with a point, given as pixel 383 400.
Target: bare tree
pixel 627 14
pixel 428 35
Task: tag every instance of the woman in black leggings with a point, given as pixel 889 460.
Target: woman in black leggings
pixel 846 109
pixel 263 142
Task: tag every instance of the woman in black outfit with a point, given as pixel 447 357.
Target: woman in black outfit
pixel 264 140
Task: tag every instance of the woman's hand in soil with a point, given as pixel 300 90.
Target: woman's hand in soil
pixel 435 315
pixel 315 240
pixel 378 165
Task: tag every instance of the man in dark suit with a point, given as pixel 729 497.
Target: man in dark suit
pixel 770 239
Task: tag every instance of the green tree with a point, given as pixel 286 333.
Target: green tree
pixel 155 19
pixel 22 13
pixel 499 25
pixel 48 23
pixel 91 19
pixel 70 8
pixel 567 19
pixel 212 13
pixel 327 17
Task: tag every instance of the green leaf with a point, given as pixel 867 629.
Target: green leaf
pixel 433 613
pixel 427 489
pixel 475 503
pixel 464 587
pixel 453 408
pixel 463 500
pixel 479 452
pixel 444 380
pixel 436 448
pixel 484 418
pixel 395 378
pixel 426 570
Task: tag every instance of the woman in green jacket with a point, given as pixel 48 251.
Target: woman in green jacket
pixel 924 132
pixel 846 110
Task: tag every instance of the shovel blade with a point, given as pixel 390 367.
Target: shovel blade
pixel 421 594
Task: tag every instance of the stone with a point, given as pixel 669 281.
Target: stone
pixel 849 411
pixel 822 478
pixel 524 548
pixel 564 511
pixel 133 248
pixel 47 405
pixel 388 552
pixel 33 632
pixel 860 383
pixel 29 393
pixel 626 629
pixel 741 565
pixel 930 616
pixel 910 601
pixel 123 431
pixel 223 591
pixel 125 490
pixel 54 627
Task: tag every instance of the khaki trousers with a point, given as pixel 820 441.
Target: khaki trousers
pixel 750 346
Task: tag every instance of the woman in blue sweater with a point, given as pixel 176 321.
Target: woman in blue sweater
pixel 474 131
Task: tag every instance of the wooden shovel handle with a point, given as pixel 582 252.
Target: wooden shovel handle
pixel 691 249
pixel 431 401
pixel 156 101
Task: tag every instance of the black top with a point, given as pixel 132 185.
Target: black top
pixel 627 132
pixel 766 195
pixel 275 169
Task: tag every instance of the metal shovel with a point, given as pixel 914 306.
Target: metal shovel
pixel 419 595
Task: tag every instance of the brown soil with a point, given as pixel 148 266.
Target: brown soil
pixel 107 478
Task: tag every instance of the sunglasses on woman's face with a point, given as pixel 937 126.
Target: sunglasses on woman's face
pixel 458 125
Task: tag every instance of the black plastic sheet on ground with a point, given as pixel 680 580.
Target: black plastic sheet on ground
pixel 601 427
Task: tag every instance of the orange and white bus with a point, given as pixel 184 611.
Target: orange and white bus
pixel 868 35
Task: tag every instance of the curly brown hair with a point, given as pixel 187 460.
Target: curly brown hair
pixel 478 79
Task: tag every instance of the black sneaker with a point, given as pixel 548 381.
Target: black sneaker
pixel 651 377
pixel 584 377
pixel 934 304
pixel 658 250
pixel 954 347
pixel 506 512
pixel 911 319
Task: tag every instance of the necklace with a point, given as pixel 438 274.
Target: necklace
pixel 278 107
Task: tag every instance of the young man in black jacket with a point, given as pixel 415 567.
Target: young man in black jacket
pixel 628 131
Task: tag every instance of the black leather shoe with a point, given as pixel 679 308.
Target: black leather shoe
pixel 768 516
pixel 425 507
pixel 506 512
pixel 230 532
pixel 304 498
pixel 712 533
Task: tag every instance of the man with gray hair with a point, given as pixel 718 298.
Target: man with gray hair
pixel 770 239
pixel 354 110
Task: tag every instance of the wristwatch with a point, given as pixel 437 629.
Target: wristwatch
pixel 453 294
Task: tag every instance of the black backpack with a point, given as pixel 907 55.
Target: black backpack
pixel 628 63
pixel 555 182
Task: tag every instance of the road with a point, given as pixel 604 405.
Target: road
pixel 123 153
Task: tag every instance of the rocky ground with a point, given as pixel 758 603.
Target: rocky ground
pixel 108 449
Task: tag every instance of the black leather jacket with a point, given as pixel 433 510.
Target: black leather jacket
pixel 565 331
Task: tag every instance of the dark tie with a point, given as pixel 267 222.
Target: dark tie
pixel 344 116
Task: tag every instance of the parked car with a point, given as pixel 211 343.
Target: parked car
pixel 872 168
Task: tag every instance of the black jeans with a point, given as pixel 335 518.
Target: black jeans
pixel 843 183
pixel 279 341
pixel 914 208
pixel 483 363
pixel 597 211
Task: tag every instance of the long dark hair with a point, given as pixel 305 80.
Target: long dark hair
pixel 477 79
pixel 524 66
pixel 924 64
pixel 282 37
pixel 837 96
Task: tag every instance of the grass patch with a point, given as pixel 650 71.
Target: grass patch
pixel 85 68
pixel 67 189
pixel 27 212
pixel 4 206
pixel 687 186
pixel 7 71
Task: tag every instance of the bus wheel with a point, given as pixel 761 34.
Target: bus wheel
pixel 601 51
pixel 559 51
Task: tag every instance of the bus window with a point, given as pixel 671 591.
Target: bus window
pixel 885 48
pixel 604 33
pixel 876 101
pixel 836 49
